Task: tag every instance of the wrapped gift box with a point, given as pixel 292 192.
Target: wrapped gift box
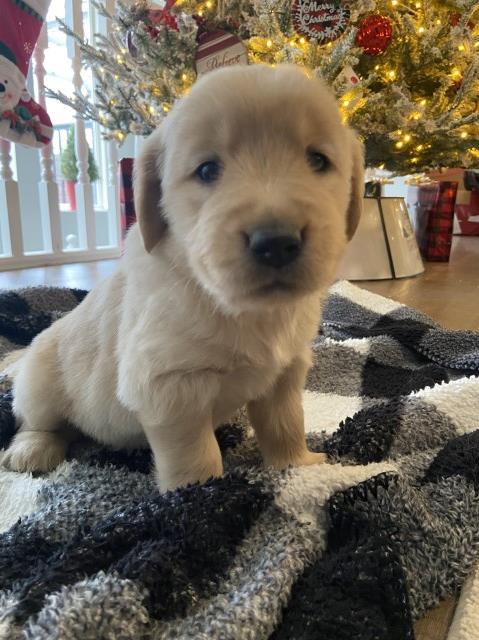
pixel 431 208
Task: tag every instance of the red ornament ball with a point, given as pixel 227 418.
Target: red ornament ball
pixel 374 34
pixel 454 21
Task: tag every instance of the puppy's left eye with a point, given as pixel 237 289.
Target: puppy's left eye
pixel 208 172
pixel 318 161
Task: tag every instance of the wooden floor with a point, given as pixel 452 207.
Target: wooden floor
pixel 83 275
pixel 448 292
pixel 435 624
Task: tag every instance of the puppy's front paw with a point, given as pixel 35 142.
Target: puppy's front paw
pixel 34 451
pixel 302 459
pixel 311 457
pixel 182 478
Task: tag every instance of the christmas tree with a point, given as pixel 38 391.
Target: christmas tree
pixel 68 161
pixel 406 73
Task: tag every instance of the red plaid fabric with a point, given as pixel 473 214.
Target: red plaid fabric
pixel 467 200
pixel 468 215
pixel 432 210
pixel 127 205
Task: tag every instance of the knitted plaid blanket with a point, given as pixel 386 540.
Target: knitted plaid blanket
pixel 355 549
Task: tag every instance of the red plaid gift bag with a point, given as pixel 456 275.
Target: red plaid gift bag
pixel 127 205
pixel 431 207
pixel 467 205
pixel 468 215
pixel 466 221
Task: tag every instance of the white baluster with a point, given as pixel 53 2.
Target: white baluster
pixel 47 188
pixel 6 172
pixel 10 217
pixel 83 188
pixel 114 215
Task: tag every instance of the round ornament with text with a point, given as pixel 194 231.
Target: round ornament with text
pixel 321 21
pixel 218 49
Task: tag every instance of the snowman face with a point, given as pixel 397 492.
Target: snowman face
pixel 10 88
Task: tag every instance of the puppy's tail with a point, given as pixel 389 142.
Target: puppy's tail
pixel 9 364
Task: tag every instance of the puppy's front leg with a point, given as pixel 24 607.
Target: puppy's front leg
pixel 278 420
pixel 179 429
pixel 185 452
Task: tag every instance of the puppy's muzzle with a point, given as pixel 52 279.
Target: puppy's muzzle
pixel 274 246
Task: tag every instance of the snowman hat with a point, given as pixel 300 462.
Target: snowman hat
pixel 8 66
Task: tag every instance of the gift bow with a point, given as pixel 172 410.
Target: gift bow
pixel 164 16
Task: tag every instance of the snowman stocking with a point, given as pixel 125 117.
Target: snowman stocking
pixel 21 118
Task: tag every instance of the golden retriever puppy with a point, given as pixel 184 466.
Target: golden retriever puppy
pixel 245 197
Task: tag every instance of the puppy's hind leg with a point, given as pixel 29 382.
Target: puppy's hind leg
pixel 36 451
pixel 42 439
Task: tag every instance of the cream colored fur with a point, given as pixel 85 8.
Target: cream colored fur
pixel 190 328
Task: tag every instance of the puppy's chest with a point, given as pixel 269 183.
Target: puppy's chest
pixel 249 373
pixel 246 381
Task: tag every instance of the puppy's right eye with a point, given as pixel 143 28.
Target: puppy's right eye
pixel 318 161
pixel 208 172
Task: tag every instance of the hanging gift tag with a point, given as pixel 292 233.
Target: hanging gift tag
pixel 321 21
pixel 218 49
pixel 349 78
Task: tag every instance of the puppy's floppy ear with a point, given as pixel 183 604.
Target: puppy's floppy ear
pixel 357 185
pixel 147 190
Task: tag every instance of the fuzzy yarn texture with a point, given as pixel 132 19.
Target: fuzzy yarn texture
pixel 357 549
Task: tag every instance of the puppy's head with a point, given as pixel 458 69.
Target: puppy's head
pixel 254 183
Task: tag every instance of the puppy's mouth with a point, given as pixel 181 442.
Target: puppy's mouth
pixel 277 286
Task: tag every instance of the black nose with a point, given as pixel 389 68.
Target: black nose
pixel 274 247
pixel 2 87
